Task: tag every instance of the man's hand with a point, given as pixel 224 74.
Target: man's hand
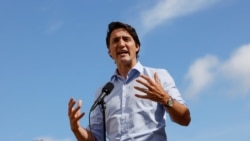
pixel 154 91
pixel 179 113
pixel 75 114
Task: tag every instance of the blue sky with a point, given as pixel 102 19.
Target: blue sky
pixel 52 50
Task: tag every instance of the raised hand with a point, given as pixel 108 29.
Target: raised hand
pixel 75 114
pixel 154 91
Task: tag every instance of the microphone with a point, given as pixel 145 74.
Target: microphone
pixel 105 91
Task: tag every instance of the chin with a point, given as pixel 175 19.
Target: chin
pixel 125 61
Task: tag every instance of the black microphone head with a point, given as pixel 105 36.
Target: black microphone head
pixel 108 87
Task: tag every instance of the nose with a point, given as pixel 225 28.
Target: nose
pixel 121 43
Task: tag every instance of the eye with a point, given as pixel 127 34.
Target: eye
pixel 115 40
pixel 126 38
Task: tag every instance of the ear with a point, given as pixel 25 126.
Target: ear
pixel 109 53
pixel 137 47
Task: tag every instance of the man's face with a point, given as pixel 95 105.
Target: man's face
pixel 122 47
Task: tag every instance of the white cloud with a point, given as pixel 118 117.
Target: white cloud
pixel 238 66
pixel 165 10
pixel 50 139
pixel 235 71
pixel 201 74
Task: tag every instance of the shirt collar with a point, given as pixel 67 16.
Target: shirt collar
pixel 138 68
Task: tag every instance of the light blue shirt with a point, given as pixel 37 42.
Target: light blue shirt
pixel 129 118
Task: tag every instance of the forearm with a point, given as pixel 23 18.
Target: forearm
pixel 179 113
pixel 82 134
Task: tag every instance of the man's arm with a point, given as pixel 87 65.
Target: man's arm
pixel 82 134
pixel 178 112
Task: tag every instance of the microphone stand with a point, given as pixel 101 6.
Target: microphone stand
pixel 103 105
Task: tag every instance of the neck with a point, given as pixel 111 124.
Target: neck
pixel 123 69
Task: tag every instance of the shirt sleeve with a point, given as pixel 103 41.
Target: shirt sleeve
pixel 169 85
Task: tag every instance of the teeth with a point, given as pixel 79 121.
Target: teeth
pixel 122 52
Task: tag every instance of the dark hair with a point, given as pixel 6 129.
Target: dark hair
pixel 131 30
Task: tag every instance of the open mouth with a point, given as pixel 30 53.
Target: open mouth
pixel 122 52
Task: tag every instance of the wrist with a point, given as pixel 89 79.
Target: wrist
pixel 169 103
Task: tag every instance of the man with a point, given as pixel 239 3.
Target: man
pixel 142 96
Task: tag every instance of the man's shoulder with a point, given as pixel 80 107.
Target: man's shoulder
pixel 150 71
pixel 154 69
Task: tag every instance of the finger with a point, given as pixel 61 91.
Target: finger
pixel 141 89
pixel 80 116
pixel 148 83
pixel 148 79
pixel 142 81
pixel 141 96
pixel 79 103
pixel 71 105
pixel 75 111
pixel 71 102
pixel 77 118
pixel 157 80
